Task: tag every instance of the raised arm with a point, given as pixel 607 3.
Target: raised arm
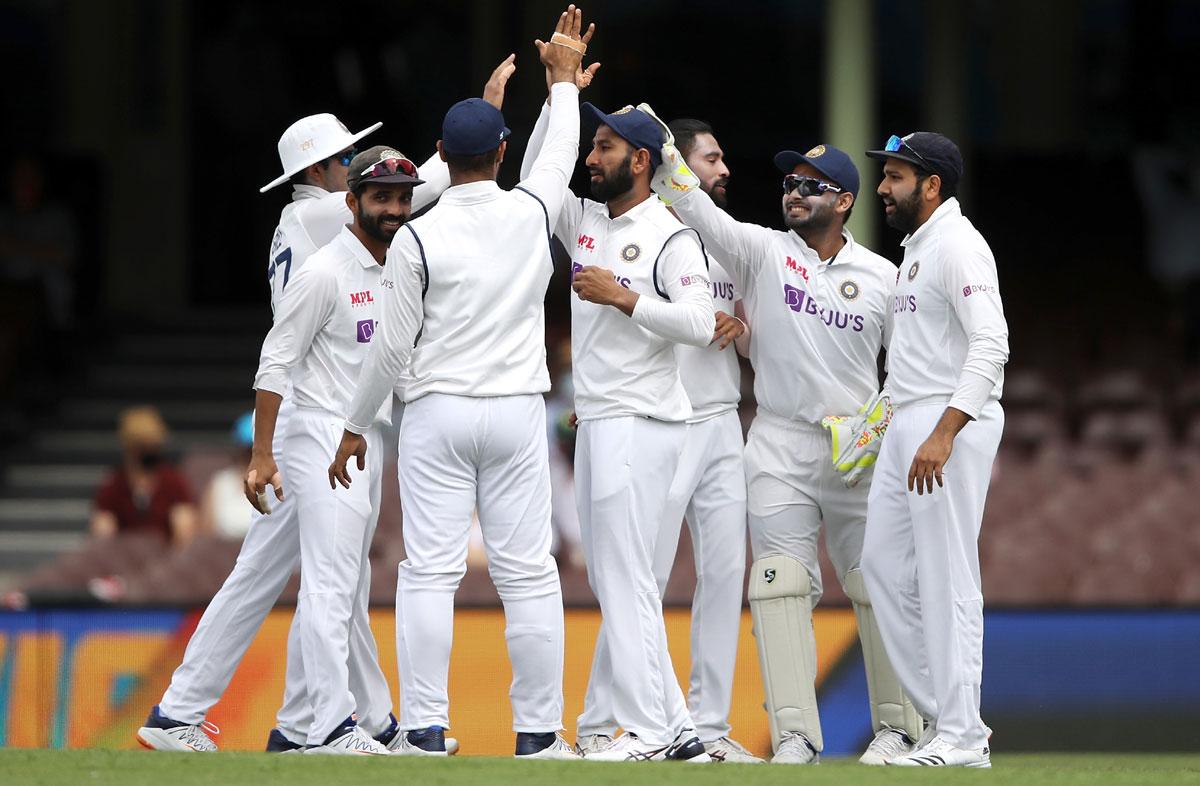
pixel 743 248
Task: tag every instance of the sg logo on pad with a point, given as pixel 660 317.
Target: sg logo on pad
pixel 769 575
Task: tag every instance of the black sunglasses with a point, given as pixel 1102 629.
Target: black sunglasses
pixel 809 186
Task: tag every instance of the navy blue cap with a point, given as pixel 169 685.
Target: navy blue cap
pixel 826 159
pixel 633 125
pixel 927 150
pixel 473 127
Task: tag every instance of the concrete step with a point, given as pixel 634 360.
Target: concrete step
pixel 96 446
pixel 190 381
pixel 188 413
pixel 44 516
pixel 62 481
pixel 23 550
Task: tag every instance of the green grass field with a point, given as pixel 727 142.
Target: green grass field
pixel 131 768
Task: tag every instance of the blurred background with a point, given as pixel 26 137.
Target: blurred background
pixel 134 297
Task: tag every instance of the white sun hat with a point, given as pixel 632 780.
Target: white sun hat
pixel 310 140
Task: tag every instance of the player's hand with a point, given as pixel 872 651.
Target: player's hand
pixel 573 421
pixel 563 55
pixel 598 285
pixel 493 91
pixel 927 464
pixel 583 77
pixel 261 472
pixel 729 329
pixel 352 445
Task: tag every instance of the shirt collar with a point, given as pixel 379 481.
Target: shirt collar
pixel 352 244
pixel 471 193
pixel 949 208
pixel 304 191
pixel 635 212
pixel 844 254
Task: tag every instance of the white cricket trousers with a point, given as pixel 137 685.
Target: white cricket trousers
pixel 709 487
pixel 921 567
pixel 623 471
pixel 269 555
pixel 459 454
pixel 336 527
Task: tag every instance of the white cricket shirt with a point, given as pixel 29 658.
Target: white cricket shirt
pixel 466 283
pixel 712 377
pixel 950 340
pixel 324 328
pixel 816 327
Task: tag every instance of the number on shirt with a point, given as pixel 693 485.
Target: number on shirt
pixel 283 258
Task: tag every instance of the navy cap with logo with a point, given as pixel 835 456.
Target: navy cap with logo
pixel 826 159
pixel 926 150
pixel 633 125
pixel 381 164
pixel 473 127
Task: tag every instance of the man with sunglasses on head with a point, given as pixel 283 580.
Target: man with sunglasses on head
pixel 945 376
pixel 315 153
pixel 819 307
pixel 463 314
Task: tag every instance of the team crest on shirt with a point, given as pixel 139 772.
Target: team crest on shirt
pixel 849 290
pixel 912 271
pixel 816 152
pixel 631 252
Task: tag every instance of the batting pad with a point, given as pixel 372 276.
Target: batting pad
pixel 781 606
pixel 890 706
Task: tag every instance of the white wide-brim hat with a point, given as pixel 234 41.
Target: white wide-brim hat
pixel 310 140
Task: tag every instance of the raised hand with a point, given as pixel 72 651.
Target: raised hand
pixel 563 56
pixel 493 91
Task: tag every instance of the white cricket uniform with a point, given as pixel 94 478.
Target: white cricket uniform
pixel 319 341
pixel 921 556
pixel 467 284
pixel 270 552
pixel 709 488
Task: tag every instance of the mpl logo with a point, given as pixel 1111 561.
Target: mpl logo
pixel 361 298
pixel 796 267
pixel 586 242
pixel 366 330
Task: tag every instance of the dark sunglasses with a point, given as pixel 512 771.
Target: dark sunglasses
pixel 389 166
pixel 809 186
pixel 895 144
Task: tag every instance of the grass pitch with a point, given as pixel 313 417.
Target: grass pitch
pixel 132 768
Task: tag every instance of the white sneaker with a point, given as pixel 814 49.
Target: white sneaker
pixel 795 748
pixel 559 749
pixel 939 753
pixel 166 734
pixel 354 742
pixel 888 744
pixel 592 743
pixel 728 750
pixel 687 747
pixel 628 747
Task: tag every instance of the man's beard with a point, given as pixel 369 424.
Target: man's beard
pixel 904 217
pixel 619 183
pixel 719 195
pixel 819 217
pixel 371 224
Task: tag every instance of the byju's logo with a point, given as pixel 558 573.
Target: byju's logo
pixel 802 303
pixel 366 329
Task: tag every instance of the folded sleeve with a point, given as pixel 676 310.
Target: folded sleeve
pixel 969 280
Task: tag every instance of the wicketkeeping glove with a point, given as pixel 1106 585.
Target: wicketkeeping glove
pixel 856 438
pixel 673 178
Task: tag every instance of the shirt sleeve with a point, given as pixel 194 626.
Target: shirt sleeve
pixel 391 347
pixel 436 175
pixel 688 317
pixel 550 174
pixel 322 220
pixel 569 210
pixel 305 310
pixel 968 278
pixel 742 248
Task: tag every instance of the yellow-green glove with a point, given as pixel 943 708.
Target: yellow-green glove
pixel 673 178
pixel 856 438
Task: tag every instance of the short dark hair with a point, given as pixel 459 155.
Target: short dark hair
pixel 301 177
pixel 947 190
pixel 686 129
pixel 483 162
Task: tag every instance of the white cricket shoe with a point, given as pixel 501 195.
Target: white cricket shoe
pixel 165 734
pixel 795 748
pixel 592 743
pixel 730 751
pixel 888 744
pixel 559 749
pixel 354 742
pixel 421 742
pixel 939 753
pixel 629 747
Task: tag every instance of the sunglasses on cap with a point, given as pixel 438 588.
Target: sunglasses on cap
pixel 345 157
pixel 895 144
pixel 808 186
pixel 390 166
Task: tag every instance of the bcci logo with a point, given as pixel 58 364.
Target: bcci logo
pixel 631 252
pixel 912 271
pixel 848 290
pixel 769 575
pixel 816 152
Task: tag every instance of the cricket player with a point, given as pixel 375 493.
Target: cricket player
pixel 819 304
pixel 709 487
pixel 315 153
pixel 464 313
pixel 946 371
pixel 642 287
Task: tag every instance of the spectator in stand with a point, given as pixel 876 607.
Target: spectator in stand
pixel 224 510
pixel 144 494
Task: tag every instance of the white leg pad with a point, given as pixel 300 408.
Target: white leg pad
pixel 889 704
pixel 781 605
